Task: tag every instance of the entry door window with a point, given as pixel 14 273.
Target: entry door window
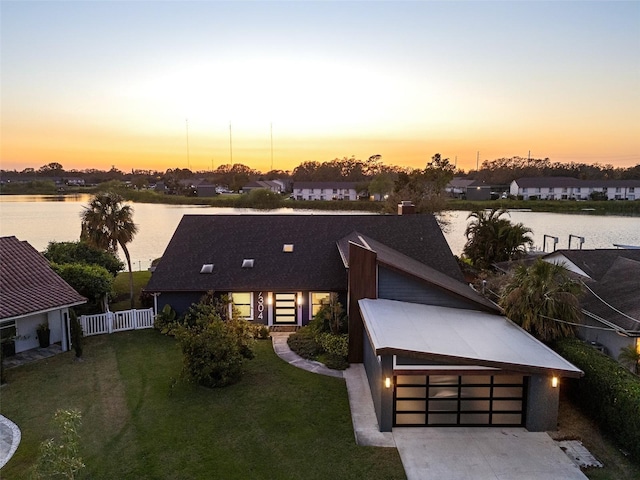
pixel 285 308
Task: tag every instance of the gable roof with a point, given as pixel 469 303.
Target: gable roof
pixel 461 337
pixel 326 185
pixel 314 263
pixel 615 297
pixel 595 262
pixel 559 182
pixel 28 284
pixel 397 261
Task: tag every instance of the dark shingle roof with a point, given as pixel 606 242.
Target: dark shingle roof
pixel 596 263
pixel 326 185
pixel 27 282
pixel 315 263
pixel 618 291
pixel 559 182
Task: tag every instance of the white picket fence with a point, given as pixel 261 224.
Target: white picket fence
pixel 116 321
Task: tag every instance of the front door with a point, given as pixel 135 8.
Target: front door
pixel 285 309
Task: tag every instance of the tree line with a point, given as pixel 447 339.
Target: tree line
pixel 350 169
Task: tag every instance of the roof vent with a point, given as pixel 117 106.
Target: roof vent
pixel 207 268
pixel 247 263
pixel 287 247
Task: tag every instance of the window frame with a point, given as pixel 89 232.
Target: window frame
pixel 234 305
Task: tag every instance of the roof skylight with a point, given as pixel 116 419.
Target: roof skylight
pixel 287 247
pixel 207 268
pixel 247 263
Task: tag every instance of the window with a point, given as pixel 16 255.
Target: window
pixel 317 300
pixel 243 302
pixel 335 190
pixel 632 189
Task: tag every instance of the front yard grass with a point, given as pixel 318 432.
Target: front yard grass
pixel 139 421
pixel 121 299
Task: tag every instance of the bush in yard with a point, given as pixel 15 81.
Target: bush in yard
pixel 61 458
pixel 608 392
pixel 213 352
pixel 76 333
pixel 303 342
pixel 166 320
pixel 91 281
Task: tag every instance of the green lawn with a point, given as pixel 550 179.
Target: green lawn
pixel 121 299
pixel 279 422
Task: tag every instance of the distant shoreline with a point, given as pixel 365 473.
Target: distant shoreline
pixel 587 207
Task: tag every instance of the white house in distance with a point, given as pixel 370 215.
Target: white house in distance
pixel 325 191
pixel 31 294
pixel 569 188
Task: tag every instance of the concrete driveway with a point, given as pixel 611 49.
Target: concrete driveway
pixel 482 453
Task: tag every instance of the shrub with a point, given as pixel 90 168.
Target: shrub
pixel 76 333
pixel 303 342
pixel 166 320
pixel 608 392
pixel 61 458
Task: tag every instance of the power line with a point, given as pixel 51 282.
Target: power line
pixel 608 304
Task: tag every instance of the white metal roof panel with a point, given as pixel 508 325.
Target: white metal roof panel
pixel 456 335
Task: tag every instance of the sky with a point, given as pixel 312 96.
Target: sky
pixel 168 84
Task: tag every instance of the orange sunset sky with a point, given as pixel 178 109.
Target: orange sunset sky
pixel 156 85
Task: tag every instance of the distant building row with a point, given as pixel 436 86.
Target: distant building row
pixel 568 188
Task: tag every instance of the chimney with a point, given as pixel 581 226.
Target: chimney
pixel 406 207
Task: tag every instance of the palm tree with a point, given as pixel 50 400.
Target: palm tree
pixel 630 355
pixel 107 223
pixel 493 239
pixel 538 296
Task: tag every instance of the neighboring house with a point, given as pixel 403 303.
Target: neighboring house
pixel 31 293
pixel 276 186
pixel 611 302
pixel 435 352
pixel 467 189
pixel 205 188
pixel 457 187
pixel 325 191
pixel 568 188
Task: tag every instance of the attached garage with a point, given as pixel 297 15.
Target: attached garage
pixel 438 366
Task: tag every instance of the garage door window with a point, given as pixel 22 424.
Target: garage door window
pixel 461 400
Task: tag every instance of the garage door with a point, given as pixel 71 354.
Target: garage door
pixel 459 400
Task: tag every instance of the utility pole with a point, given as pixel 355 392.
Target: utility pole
pixel 478 161
pixel 271 145
pixel 188 159
pixel 230 146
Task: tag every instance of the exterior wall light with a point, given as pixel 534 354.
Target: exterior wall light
pixel 269 299
pixel 299 299
pixel 554 381
pixel 387 382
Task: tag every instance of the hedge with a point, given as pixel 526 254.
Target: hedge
pixel 608 392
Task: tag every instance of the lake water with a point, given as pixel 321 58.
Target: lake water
pixel 40 219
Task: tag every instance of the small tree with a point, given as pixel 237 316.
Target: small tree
pixel 61 458
pixel 91 281
pixel 82 252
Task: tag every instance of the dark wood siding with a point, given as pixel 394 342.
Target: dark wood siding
pixel 393 285
pixel 362 284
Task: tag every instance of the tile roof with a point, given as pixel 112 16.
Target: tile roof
pixel 396 260
pixel 27 282
pixel 315 263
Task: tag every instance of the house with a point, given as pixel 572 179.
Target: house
pixel 276 186
pixel 569 188
pixel 325 191
pixel 436 353
pixel 610 303
pixel 31 293
pixel 468 189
